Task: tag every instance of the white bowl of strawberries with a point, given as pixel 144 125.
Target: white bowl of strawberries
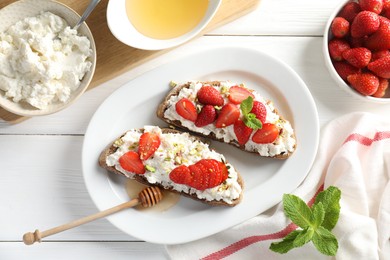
pixel 357 48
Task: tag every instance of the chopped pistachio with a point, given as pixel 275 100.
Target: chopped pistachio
pixel 224 90
pixel 133 146
pixel 150 168
pixel 172 84
pixel 184 160
pixel 167 159
pixel 118 142
pixel 178 160
pixel 218 108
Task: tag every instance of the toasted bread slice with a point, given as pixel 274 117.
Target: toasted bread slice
pixel 176 148
pixel 281 148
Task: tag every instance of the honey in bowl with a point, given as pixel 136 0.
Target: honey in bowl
pixel 165 19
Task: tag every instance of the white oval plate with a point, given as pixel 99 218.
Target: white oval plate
pixel 266 180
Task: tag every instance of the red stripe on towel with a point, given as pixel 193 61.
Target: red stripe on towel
pixel 237 246
pixel 364 140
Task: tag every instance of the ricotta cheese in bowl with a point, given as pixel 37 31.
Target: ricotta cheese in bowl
pixel 45 64
pixel 42 60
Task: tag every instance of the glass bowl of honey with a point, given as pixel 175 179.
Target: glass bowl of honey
pixel 156 24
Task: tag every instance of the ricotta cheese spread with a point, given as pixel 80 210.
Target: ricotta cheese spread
pixel 284 143
pixel 42 60
pixel 176 149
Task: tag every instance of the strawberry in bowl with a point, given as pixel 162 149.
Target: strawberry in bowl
pixel 357 48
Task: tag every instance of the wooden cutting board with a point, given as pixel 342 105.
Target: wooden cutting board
pixel 114 57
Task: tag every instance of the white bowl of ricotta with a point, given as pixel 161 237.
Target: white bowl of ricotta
pixel 45 65
pixel 156 24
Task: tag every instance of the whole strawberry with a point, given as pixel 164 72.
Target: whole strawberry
pixel 337 47
pixel 349 11
pixel 339 27
pixel 365 23
pixel 376 55
pixel 206 116
pixel 386 5
pixel 380 40
pixel 345 69
pixel 357 57
pixel 365 83
pixel 375 6
pixel 208 95
pixel 381 67
pixel 383 85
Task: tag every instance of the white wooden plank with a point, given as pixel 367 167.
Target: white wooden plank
pixel 83 250
pixel 283 17
pixel 42 187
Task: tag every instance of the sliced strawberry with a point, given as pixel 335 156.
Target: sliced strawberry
pixel 337 47
pixel 186 109
pixel 357 57
pixel 365 83
pixel 180 175
pixel 212 172
pixel 205 174
pixel 383 85
pixel 224 171
pixel 345 69
pixel 375 6
pixel 227 116
pixel 259 110
pixel 381 67
pixel 365 23
pixel 267 134
pixel 349 11
pixel 207 95
pixel 340 27
pixel 238 94
pixel 148 144
pixel 206 116
pixel 242 132
pixel 131 162
pixel 197 177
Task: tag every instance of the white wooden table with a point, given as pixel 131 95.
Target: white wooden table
pixel 41 183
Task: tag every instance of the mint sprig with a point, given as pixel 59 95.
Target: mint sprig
pixel 315 223
pixel 249 118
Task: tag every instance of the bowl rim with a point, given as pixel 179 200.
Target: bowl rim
pixel 74 95
pixel 117 15
pixel 332 71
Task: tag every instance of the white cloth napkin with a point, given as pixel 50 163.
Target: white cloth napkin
pixel 353 155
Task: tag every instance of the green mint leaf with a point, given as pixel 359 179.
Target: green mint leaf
pixel 246 105
pixel 286 244
pixel 325 241
pixel 251 121
pixel 297 210
pixel 317 218
pixel 330 199
pixel 303 237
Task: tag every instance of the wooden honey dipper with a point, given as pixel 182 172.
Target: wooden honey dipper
pixel 147 198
